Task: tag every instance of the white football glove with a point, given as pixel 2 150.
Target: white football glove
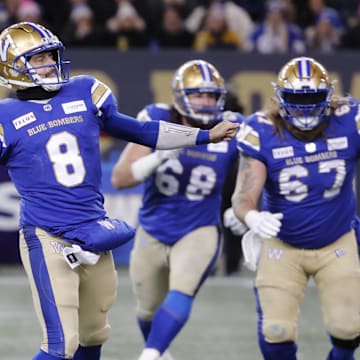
pixel 264 223
pixel 75 255
pixel 233 223
pixel 251 245
pixel 146 165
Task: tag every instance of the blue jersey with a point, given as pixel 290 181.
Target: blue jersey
pixel 185 193
pixel 51 150
pixel 311 183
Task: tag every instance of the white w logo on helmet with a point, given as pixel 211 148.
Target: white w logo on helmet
pixel 4 46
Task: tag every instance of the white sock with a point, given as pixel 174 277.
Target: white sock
pixel 149 354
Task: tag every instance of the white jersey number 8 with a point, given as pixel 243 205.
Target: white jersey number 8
pixel 64 153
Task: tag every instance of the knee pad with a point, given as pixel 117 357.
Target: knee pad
pixel 346 344
pixel 144 315
pixel 341 330
pixel 96 338
pixel 279 332
pixel 71 345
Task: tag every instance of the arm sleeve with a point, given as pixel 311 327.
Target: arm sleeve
pixel 156 134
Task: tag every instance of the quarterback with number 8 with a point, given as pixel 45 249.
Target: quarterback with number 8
pixel 300 155
pixel 49 141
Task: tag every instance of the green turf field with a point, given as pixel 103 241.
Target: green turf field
pixel 222 325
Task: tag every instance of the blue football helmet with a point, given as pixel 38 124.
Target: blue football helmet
pixel 198 76
pixel 304 90
pixel 18 43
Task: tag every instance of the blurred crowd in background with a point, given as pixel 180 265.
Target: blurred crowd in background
pixel 268 27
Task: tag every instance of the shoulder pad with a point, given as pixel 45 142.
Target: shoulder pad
pixel 262 118
pixel 247 135
pixel 232 116
pixel 157 111
pixel 85 78
pixel 143 115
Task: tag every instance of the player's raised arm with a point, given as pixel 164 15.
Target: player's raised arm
pixel 163 135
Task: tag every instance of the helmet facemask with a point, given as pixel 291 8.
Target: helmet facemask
pixel 200 77
pixel 304 110
pixel 60 71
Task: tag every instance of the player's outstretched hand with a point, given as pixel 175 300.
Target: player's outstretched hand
pixel 223 131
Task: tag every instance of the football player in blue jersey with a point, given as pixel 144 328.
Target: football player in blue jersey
pixel 300 153
pixel 49 141
pixel 178 241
